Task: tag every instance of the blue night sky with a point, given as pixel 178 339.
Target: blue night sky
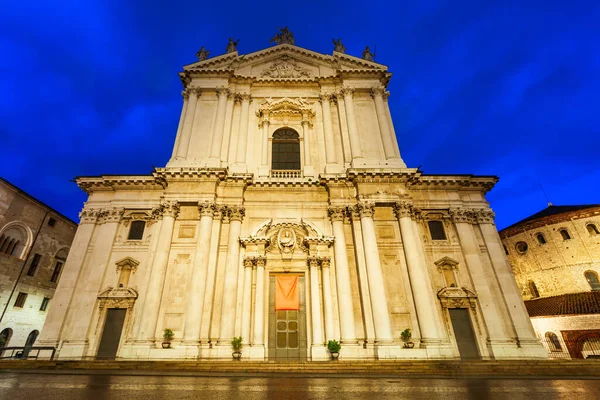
pixel 507 88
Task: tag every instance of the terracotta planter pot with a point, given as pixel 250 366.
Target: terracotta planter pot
pixel 409 345
pixel 236 355
pixel 166 345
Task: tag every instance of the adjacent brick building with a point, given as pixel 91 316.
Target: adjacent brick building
pixel 555 255
pixel 34 243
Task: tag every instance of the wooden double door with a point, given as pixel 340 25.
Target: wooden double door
pixel 287 328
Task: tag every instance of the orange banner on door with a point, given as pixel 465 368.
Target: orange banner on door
pixel 286 292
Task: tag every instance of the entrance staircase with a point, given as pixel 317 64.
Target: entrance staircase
pixel 398 369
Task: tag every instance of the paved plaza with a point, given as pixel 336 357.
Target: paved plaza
pixel 41 386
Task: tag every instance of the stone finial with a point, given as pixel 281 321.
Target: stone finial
pixel 367 55
pixel 338 46
pixel 202 54
pixel 284 36
pixel 232 46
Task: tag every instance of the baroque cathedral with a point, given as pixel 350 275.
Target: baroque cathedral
pixel 287 217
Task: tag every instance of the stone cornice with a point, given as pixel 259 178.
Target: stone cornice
pixel 111 183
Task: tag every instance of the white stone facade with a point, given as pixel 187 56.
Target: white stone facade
pixel 352 220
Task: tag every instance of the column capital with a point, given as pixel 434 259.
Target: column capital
pixel 336 213
pixel 325 262
pixel 365 209
pixel 89 215
pixel 207 209
pixel 248 262
pixel 330 97
pixel 462 215
pixel 484 216
pixel 195 91
pixel 110 215
pixel 377 91
pixel 168 209
pixel 347 91
pixel 313 261
pixel 222 91
pixel 404 208
pixel 236 213
pixel 255 261
pixel 185 94
pixel 241 97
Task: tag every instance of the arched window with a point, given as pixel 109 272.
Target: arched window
pixel 15 239
pixel 553 342
pixel 533 289
pixel 592 229
pixel 286 150
pixel 540 238
pixel 565 234
pixel 31 338
pixel 592 279
pixel 5 336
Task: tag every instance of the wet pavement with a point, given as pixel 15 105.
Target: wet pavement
pixel 41 386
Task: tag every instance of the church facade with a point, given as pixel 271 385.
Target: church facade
pixel 286 164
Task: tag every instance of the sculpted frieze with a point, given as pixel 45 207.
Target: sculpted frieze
pixel 285 67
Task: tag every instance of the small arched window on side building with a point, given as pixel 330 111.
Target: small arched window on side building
pixel 533 290
pixel 592 279
pixel 286 150
pixel 553 342
pixel 592 229
pixel 565 234
pixel 540 238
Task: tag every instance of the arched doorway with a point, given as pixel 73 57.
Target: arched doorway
pixel 5 336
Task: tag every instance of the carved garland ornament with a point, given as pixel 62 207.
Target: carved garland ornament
pixel 285 67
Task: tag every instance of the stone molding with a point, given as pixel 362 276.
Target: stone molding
pixel 117 298
pixel 446 263
pixel 127 262
pixel 463 215
pixel 110 215
pixel 207 209
pixel 88 216
pixel 457 298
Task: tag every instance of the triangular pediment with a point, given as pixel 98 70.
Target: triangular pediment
pixel 285 61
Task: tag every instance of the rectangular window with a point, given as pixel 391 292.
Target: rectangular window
pixel 136 232
pixel 20 302
pixel 34 264
pixel 44 304
pixel 56 273
pixel 436 229
pixel 51 222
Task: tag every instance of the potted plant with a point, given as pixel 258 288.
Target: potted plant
pixel 168 335
pixel 236 344
pixel 406 335
pixel 334 348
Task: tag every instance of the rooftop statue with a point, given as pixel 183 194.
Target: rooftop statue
pixel 232 46
pixel 367 55
pixel 202 54
pixel 284 36
pixel 339 47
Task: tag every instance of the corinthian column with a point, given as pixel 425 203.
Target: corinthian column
pixel 197 286
pixel 384 126
pixel 186 131
pixel 65 291
pixel 355 146
pixel 226 330
pixel 381 315
pixel 327 300
pixel 330 156
pixel 506 279
pixel 420 282
pixel 242 145
pixel 264 156
pixel 217 138
pixel 305 124
pixel 315 302
pixel 342 276
pixel 259 302
pixel 247 299
pixel 169 211
pixel 463 220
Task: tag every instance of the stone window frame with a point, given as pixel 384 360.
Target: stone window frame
pixel 448 264
pixel 593 229
pixel 524 250
pixel 565 234
pixel 543 240
pixel 130 216
pixel 594 287
pixel 436 215
pixel 295 141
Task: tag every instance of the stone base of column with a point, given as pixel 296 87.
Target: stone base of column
pixel 309 171
pixel 527 349
pixel 319 353
pixel 73 350
pixel 396 351
pixel 238 168
pixel 334 169
pixel 256 352
pixel 263 171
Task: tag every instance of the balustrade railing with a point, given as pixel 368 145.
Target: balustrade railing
pixel 286 174
pixel 25 352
